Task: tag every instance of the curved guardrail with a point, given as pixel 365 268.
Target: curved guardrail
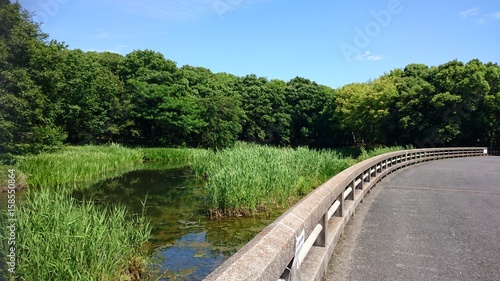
pixel 298 245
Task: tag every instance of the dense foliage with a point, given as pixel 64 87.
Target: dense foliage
pixel 51 95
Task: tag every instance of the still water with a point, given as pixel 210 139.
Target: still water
pixel 186 244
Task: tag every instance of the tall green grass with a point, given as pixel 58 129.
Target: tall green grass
pixel 243 178
pixel 246 178
pixel 82 166
pixel 250 177
pixel 366 154
pixel 74 167
pixel 180 156
pixel 60 239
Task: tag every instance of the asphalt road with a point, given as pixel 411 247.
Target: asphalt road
pixel 438 220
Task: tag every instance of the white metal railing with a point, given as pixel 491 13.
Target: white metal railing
pixel 299 243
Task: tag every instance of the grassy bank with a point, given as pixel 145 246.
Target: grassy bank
pixel 82 166
pixel 60 239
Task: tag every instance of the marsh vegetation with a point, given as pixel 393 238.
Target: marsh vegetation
pixel 240 181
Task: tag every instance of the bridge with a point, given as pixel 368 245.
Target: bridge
pixel 435 220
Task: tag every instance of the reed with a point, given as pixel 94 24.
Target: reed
pixel 247 178
pixel 241 179
pixel 61 239
pixel 81 166
pixel 366 154
pixel 73 167
pixel 181 156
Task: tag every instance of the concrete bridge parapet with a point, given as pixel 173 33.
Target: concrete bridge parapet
pixel 299 244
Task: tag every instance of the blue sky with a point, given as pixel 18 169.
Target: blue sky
pixel 331 42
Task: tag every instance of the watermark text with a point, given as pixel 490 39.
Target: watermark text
pixel 11 222
pixel 364 36
pixel 48 9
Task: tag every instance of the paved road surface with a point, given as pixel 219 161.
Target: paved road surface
pixel 438 220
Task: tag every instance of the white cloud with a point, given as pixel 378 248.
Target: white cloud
pixel 368 56
pixel 102 35
pixel 374 57
pixel 481 18
pixel 469 13
pixel 177 11
pixel 495 15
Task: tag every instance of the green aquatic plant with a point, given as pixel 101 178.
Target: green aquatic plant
pixel 76 167
pixel 248 178
pixel 59 238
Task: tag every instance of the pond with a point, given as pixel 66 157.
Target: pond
pixel 186 244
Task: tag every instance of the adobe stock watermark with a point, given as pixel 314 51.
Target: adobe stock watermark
pixel 11 223
pixel 48 9
pixel 364 36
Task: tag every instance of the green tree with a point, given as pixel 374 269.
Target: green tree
pixel 278 129
pixel 89 97
pixel 410 115
pixel 364 110
pixel 306 100
pixel 219 106
pixel 459 92
pixel 488 116
pixel 257 108
pixel 474 88
pixel 147 66
pixel 149 81
pixel 26 121
pixel 267 115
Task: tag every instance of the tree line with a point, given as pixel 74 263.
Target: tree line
pixel 52 95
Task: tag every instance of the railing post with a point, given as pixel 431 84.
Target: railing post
pixel 321 240
pixel 350 196
pixel 361 179
pixel 340 210
pixel 368 177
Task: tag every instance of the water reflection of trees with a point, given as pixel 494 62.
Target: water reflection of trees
pixel 175 209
